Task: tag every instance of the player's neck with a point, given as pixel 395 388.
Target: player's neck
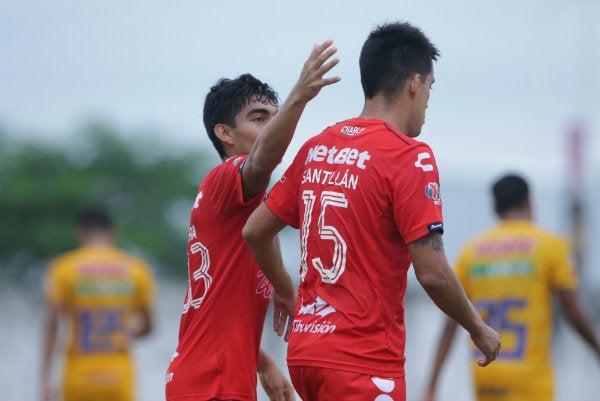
pixel 517 215
pixel 98 239
pixel 395 114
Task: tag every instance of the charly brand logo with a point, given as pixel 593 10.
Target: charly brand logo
pixel 432 191
pixel 351 131
pixel 424 166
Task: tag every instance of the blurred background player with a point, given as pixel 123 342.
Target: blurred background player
pixel 365 195
pixel 219 354
pixel 106 296
pixel 510 273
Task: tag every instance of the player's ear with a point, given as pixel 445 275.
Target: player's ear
pixel 223 132
pixel 414 83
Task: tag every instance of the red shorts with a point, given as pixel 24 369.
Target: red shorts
pixel 322 384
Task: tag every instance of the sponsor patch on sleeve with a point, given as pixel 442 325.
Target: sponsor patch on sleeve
pixel 432 191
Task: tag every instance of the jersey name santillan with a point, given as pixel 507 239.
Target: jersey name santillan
pixel 358 192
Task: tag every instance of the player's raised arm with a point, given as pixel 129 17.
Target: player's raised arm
pixel 270 146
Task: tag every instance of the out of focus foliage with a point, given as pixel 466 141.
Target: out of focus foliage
pixel 146 186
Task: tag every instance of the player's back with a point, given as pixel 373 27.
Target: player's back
pixel 99 286
pixel 510 273
pixel 357 192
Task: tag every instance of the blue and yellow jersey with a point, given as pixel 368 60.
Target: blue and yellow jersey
pixel 99 288
pixel 509 273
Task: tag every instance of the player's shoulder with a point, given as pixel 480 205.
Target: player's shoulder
pixel 65 266
pixel 65 260
pixel 223 172
pixel 133 263
pixel 128 257
pixel 233 163
pixel 549 237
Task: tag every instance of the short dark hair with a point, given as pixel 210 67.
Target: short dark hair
pixel 227 97
pixel 391 54
pixel 94 219
pixel 510 191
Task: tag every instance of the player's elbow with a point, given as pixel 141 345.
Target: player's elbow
pixel 261 228
pixel 432 280
pixel 252 234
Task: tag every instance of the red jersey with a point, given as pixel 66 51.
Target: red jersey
pixel 227 299
pixel 359 192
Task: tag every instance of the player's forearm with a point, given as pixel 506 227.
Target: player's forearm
pixel 264 361
pixel 270 146
pixel 260 233
pixel 586 331
pixel 268 257
pixel 51 330
pixel 578 318
pixel 439 281
pixel 447 293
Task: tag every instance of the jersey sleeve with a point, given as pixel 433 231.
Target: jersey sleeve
pixel 225 188
pixel 282 200
pixel 417 201
pixel 56 283
pixel 562 273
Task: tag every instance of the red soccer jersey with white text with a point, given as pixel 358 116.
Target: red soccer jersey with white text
pixel 227 299
pixel 359 192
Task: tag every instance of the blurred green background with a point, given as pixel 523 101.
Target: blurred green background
pixel 146 185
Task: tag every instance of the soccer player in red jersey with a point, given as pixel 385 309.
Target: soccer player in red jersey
pixel 365 196
pixel 219 355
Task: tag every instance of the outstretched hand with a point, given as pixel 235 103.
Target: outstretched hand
pixel 315 67
pixel 283 314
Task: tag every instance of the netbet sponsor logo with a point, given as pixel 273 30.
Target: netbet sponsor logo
pixel 333 155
